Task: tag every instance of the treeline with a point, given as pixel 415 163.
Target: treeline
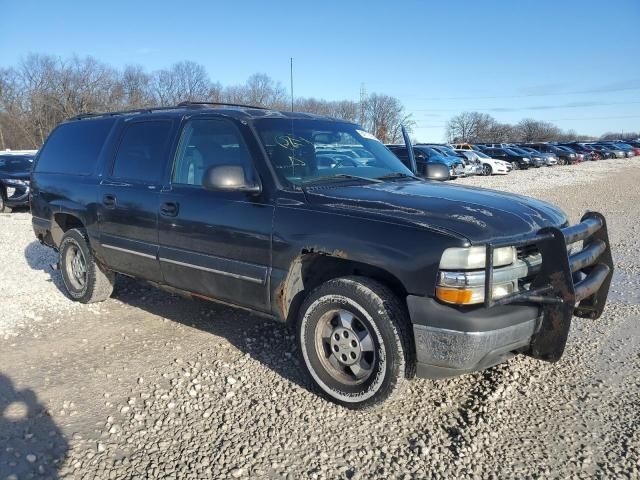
pixel 44 90
pixel 476 127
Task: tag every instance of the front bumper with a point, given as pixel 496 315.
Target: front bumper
pixel 452 340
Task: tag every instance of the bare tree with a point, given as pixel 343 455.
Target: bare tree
pixel 136 87
pixel 182 82
pixel 262 90
pixel 469 127
pixel 384 116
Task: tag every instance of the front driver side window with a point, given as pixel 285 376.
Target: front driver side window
pixel 205 143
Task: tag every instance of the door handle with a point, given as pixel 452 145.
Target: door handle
pixel 109 201
pixel 169 209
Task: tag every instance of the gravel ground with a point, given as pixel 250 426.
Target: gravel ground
pixel 151 385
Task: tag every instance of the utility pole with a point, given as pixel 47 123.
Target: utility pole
pixel 363 99
pixel 291 71
pixel 2 139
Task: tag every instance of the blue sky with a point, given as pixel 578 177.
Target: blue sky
pixel 576 63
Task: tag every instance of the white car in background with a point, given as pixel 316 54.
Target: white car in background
pixel 490 166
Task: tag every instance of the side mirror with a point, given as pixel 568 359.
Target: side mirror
pixel 436 171
pixel 229 178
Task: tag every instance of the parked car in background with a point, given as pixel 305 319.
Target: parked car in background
pixel 625 147
pixel 587 154
pixel 466 146
pixel 578 156
pixel 15 172
pixel 425 155
pixel 470 167
pixel 605 152
pixel 490 166
pixel 536 159
pixel 615 151
pixel 548 159
pixel 518 161
pixel 564 157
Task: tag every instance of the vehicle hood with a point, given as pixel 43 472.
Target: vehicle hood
pixel 476 214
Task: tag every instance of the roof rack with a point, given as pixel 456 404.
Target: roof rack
pixel 120 112
pixel 155 109
pixel 222 104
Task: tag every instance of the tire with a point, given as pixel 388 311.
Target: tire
pixel 516 165
pixel 354 339
pixel 561 161
pixel 3 205
pixel 85 280
pixel 487 170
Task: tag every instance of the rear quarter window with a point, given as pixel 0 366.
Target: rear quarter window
pixel 142 152
pixel 74 148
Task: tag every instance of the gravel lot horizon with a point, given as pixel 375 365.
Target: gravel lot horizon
pixel 148 384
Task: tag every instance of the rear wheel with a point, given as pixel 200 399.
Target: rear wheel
pixel 487 170
pixel 86 281
pixel 354 340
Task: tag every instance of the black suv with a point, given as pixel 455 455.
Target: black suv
pixel 15 171
pixel 382 275
pixel 565 157
pixel 518 160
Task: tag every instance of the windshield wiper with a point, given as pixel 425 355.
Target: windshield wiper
pixel 339 176
pixel 390 176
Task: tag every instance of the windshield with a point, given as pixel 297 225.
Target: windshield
pixel 480 154
pixel 15 163
pixel 304 151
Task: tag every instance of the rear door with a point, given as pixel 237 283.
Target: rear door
pixel 129 198
pixel 216 244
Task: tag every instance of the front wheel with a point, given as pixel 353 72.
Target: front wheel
pixel 354 339
pixel 487 170
pixel 3 205
pixel 516 165
pixel 86 280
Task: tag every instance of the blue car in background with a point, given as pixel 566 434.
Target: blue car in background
pixel 425 154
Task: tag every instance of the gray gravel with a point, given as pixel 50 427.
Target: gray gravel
pixel 151 385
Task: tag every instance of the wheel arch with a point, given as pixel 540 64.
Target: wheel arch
pixel 63 222
pixel 311 269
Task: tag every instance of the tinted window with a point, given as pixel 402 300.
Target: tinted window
pixel 206 143
pixel 143 151
pixel 74 147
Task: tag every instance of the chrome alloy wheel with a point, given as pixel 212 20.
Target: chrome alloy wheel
pixel 76 265
pixel 345 346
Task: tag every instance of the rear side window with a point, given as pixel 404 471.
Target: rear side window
pixel 74 148
pixel 143 151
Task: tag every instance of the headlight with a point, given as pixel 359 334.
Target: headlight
pixel 470 258
pixel 12 181
pixel 461 279
pixel 469 296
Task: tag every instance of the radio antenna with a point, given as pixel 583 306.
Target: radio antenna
pixel 291 71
